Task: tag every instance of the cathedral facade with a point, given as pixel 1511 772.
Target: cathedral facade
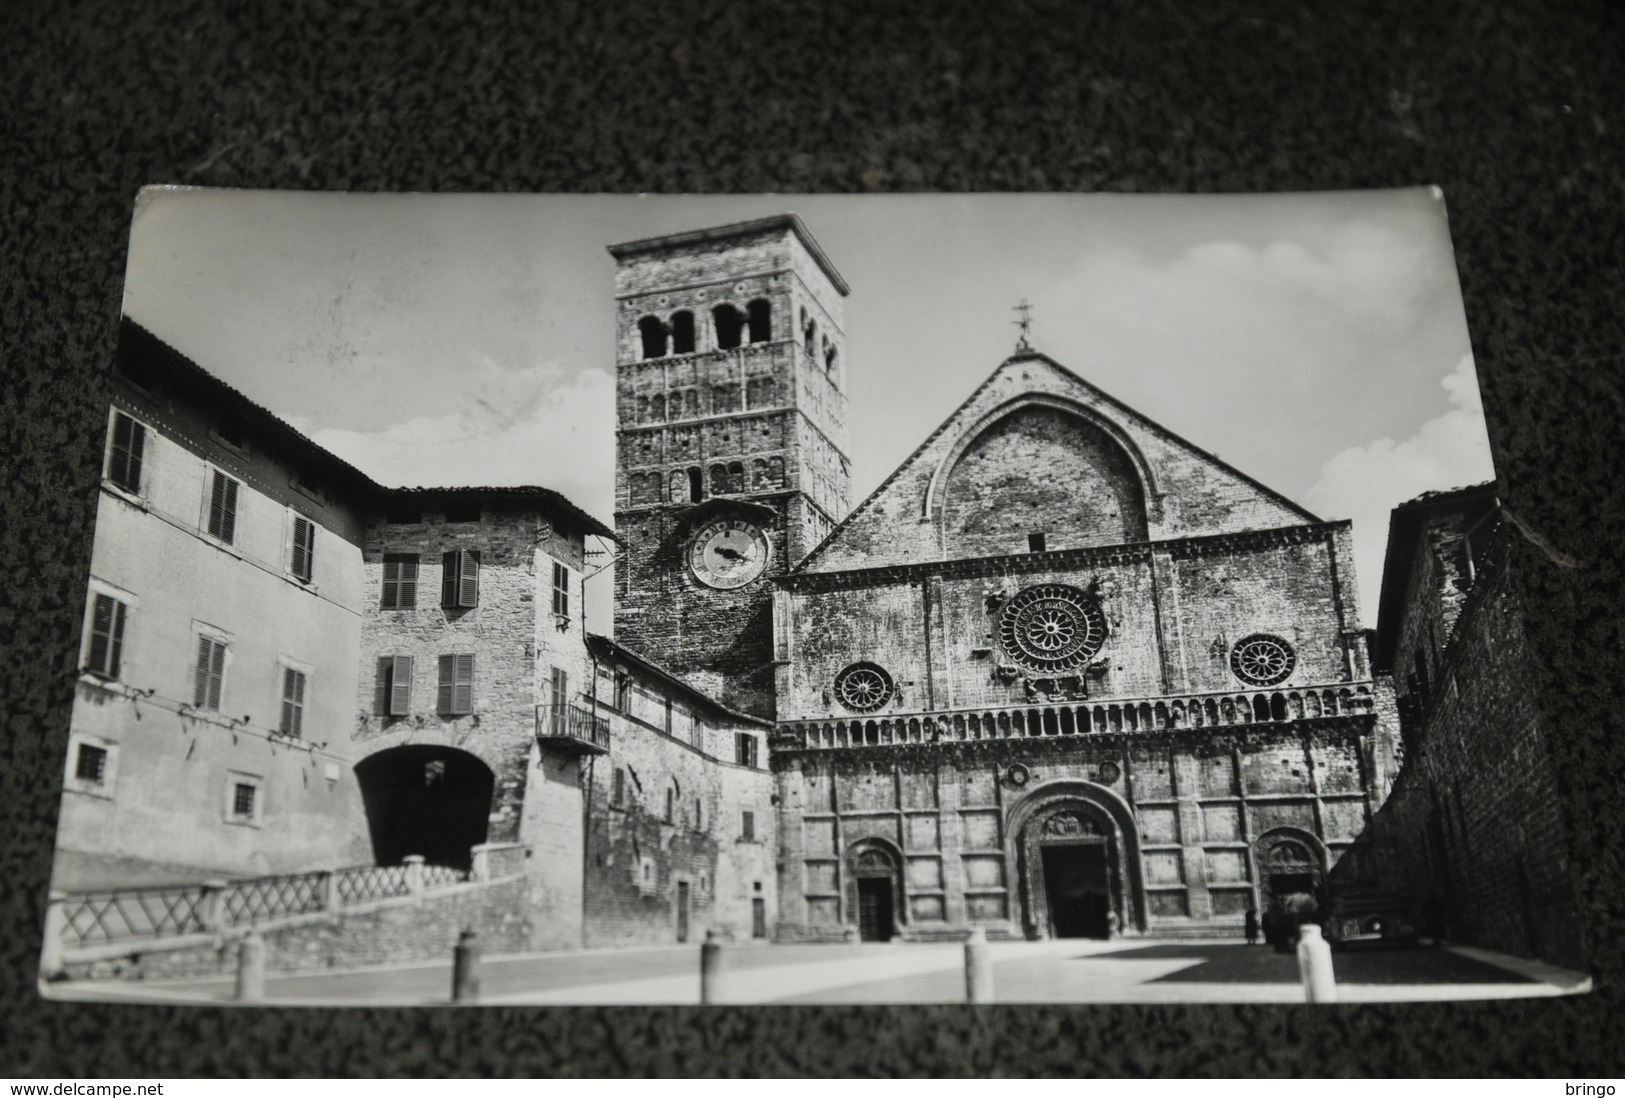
pixel 1063 674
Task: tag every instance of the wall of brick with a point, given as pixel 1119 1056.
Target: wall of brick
pixel 638 860
pixel 1173 614
pixel 1472 834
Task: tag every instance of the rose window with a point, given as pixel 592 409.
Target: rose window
pixel 863 687
pixel 1052 628
pixel 1262 660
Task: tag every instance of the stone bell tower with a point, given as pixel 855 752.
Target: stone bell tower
pixel 730 441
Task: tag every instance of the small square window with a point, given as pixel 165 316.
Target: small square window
pixel 91 766
pixel 1035 542
pixel 463 511
pixel 243 801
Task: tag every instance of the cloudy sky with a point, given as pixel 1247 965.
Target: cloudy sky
pixel 1316 342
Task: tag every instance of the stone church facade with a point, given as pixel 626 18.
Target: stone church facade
pixel 1063 674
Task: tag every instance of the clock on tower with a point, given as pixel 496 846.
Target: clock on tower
pixel 731 430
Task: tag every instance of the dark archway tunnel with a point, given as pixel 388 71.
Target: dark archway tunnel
pixel 425 799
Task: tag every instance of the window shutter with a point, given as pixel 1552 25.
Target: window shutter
pixel 293 702
pixel 217 672
pixel 469 578
pixel 400 686
pixel 381 704
pixel 448 579
pixel 101 633
pixel 392 584
pixel 304 548
pixel 228 527
pixel 217 506
pixel 115 654
pixel 408 595
pixel 463 694
pixel 447 691
pixel 200 678
pixel 129 443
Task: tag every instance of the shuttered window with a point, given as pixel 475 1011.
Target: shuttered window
pixel 125 454
pixel 744 749
pixel 400 581
pixel 210 673
pixel 559 701
pixel 293 703
pixel 106 636
pixel 747 826
pixel 223 508
pixel 561 590
pixel 394 693
pixel 303 564
pixel 460 582
pixel 456 696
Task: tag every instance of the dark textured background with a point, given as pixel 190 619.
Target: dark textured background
pixel 1517 109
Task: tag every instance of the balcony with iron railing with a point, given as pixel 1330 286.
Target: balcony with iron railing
pixel 1214 710
pixel 572 728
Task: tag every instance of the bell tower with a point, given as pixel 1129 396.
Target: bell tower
pixel 730 441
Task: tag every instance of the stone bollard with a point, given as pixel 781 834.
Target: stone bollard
pixel 978 967
pixel 251 969
pixel 713 970
pixel 414 876
pixel 56 925
pixel 465 969
pixel 1315 965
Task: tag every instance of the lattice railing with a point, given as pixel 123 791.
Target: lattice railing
pixel 439 876
pixel 371 882
pixel 96 918
pixel 269 897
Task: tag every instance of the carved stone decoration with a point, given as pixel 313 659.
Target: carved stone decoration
pixel 1068 825
pixel 864 687
pixel 1262 660
pixel 1052 627
pixel 1109 772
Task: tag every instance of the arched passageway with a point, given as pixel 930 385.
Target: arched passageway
pixel 425 799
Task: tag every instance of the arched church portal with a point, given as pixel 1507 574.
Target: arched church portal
pixel 875 894
pixel 1289 862
pixel 1078 864
pixel 425 799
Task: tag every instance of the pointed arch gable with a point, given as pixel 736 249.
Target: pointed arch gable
pixel 936 490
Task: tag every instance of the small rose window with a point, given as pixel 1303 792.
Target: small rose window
pixel 1262 660
pixel 863 687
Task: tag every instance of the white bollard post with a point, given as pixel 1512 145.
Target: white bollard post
pixel 414 876
pixel 978 967
pixel 713 970
pixel 56 924
pixel 1315 965
pixel 251 969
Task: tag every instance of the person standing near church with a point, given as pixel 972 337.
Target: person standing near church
pixel 1252 926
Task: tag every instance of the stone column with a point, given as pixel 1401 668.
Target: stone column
pixel 414 876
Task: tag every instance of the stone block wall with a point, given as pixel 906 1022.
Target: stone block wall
pixel 1472 834
pixel 1198 804
pixel 513 635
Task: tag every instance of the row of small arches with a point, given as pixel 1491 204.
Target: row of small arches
pixel 1084 719
pixel 731 327
pixel 689 485
pixel 760 392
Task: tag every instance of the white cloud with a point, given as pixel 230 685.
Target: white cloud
pixel 1365 483
pixel 505 428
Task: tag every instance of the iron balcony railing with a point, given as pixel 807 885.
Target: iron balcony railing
pixel 1080 718
pixel 572 722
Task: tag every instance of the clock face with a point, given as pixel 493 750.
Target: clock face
pixel 728 554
